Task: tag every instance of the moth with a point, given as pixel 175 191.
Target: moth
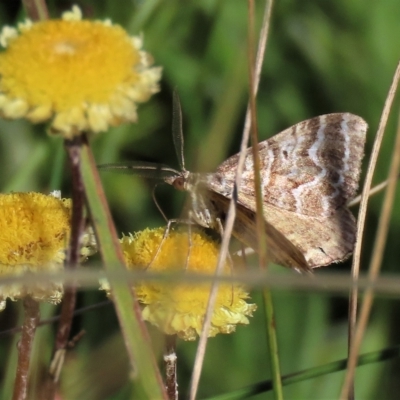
pixel 309 172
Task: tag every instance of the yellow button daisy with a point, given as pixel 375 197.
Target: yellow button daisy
pixel 179 308
pixel 81 75
pixel 34 234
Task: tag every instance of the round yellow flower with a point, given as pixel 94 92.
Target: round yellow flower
pixel 180 308
pixel 34 233
pixel 81 75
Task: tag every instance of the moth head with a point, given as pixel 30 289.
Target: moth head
pixel 180 181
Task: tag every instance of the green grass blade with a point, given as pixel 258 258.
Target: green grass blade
pixel 137 341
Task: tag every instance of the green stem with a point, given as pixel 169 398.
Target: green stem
pixel 273 345
pixel 137 340
pixel 311 373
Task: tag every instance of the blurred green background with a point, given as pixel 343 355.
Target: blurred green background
pixel 322 57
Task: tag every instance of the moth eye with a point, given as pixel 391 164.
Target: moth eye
pixel 179 184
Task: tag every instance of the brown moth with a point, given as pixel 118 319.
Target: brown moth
pixel 308 171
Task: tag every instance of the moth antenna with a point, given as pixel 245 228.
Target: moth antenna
pixel 144 169
pixel 177 131
pixel 153 195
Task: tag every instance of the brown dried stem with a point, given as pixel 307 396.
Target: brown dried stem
pixel 31 319
pixel 73 148
pixel 262 249
pixel 36 9
pixel 170 359
pixel 378 250
pixel 347 389
pixel 261 234
pixel 201 348
pixel 376 189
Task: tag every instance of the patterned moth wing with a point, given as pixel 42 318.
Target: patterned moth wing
pixel 280 249
pixel 308 172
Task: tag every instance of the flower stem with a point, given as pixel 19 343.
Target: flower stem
pixel 170 360
pixel 73 149
pixel 31 319
pixel 36 9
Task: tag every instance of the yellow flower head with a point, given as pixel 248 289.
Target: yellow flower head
pixel 81 75
pixel 34 233
pixel 180 308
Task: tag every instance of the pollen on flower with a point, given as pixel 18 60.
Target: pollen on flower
pixel 34 233
pixel 180 308
pixel 80 75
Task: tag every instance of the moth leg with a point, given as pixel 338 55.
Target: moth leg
pixel 167 228
pixel 220 229
pixel 189 225
pixel 153 195
pixel 189 222
pixel 165 235
pixel 243 254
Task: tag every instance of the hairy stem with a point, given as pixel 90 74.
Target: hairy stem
pixel 170 360
pixel 73 148
pixel 31 319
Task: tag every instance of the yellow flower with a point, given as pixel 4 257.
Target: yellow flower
pixel 180 308
pixel 81 75
pixel 34 233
